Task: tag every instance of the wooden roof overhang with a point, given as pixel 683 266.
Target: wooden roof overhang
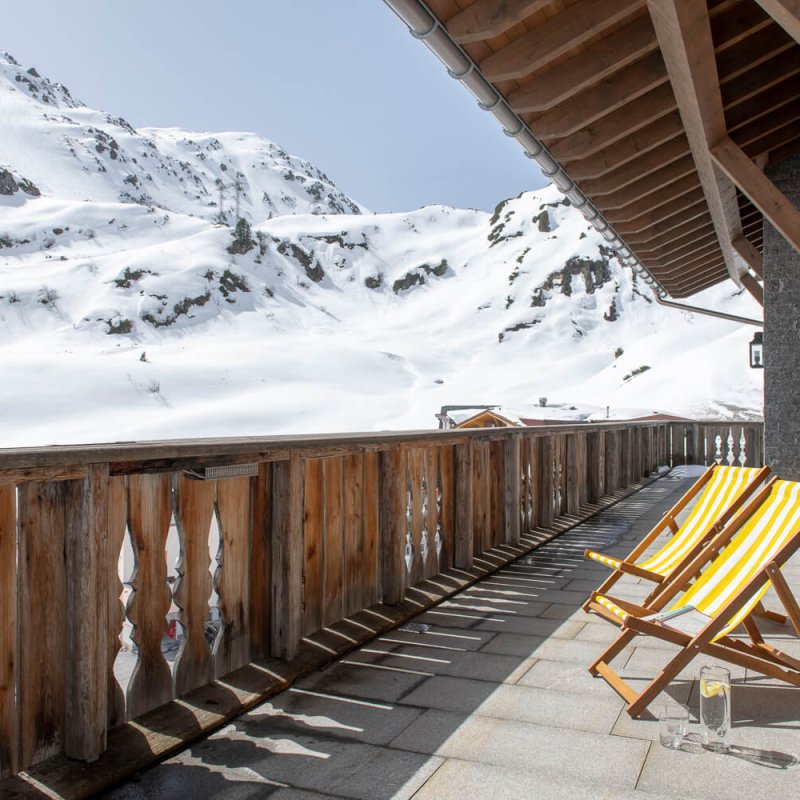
pixel 656 116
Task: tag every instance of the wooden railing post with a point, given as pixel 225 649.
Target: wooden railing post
pixel 596 456
pixel 393 478
pixel 546 503
pixel 612 461
pixel 87 615
pixel 8 630
pixel 261 562
pixel 512 494
pixel 287 556
pixel 464 553
pixel 573 473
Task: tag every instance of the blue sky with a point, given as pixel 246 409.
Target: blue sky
pixel 339 82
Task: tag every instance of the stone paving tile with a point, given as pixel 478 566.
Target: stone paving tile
pixel 615 761
pixel 363 680
pixel 457 780
pixel 519 703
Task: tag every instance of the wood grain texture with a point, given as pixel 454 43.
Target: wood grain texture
pixel 117 526
pixel 447 488
pixel 353 538
pixel 392 521
pixel 8 630
pixel 333 598
pixel 287 557
pixel 149 514
pixel 415 522
pixel 546 499
pixel 42 621
pixel 313 544
pixel 194 510
pixel 512 489
pixel 463 537
pixel 87 614
pixel 371 586
pixel 260 563
pixel 433 481
pixel 232 648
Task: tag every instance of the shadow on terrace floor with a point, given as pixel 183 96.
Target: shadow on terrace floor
pixel 490 697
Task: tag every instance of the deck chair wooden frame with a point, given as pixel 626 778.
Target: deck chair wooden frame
pixel 628 565
pixel 755 654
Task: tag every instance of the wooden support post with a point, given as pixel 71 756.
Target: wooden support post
pixel 596 456
pixel 612 461
pixel 87 615
pixel 694 447
pixel 463 512
pixel 8 630
pixel 512 498
pixel 573 473
pixel 678 450
pixel 287 556
pixel 261 562
pixel 393 478
pixel 546 503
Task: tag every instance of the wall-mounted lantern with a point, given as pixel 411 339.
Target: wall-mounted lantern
pixel 757 351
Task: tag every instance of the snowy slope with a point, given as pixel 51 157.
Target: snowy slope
pixel 125 316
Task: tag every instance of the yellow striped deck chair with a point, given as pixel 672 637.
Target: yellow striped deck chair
pixel 719 590
pixel 722 492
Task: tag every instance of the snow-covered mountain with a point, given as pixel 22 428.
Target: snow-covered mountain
pixel 131 307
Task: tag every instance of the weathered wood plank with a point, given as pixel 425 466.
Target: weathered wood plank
pixel 546 500
pixel 612 461
pixel 447 489
pixel 485 19
pixel 194 509
pixel 414 489
pixel 232 648
pixel 260 565
pixel 572 474
pixel 496 499
pixel 87 614
pixel 313 545
pixel 42 621
pixel 353 480
pixel 371 587
pixel 149 514
pixel 287 557
pixel 8 630
pixel 513 478
pixel 393 471
pixel 482 502
pixel 464 516
pixel 13 477
pixel 333 602
pixel 431 564
pixel 596 456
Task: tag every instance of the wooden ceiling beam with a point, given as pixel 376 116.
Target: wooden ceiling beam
pixel 755 82
pixel 597 62
pixel 685 233
pixel 555 37
pixel 485 19
pixel 686 283
pixel 763 193
pixel 642 141
pixel 736 24
pixel 604 132
pixel 672 245
pixel 760 47
pixel 778 96
pixel 773 143
pixel 668 152
pixel 758 129
pixel 753 286
pixel 656 181
pixel 667 219
pixel 669 198
pixel 683 30
pixel 687 255
pixel 601 99
pixel 750 253
pixel 786 13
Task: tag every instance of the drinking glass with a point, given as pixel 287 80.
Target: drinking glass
pixel 715 707
pixel 673 725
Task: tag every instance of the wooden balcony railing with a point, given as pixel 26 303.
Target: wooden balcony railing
pixel 323 529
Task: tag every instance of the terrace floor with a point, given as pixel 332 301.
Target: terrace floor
pixel 493 700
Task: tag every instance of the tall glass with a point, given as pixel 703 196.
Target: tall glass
pixel 715 707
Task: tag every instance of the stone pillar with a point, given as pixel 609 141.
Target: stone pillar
pixel 782 334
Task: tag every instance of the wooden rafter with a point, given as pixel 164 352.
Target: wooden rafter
pixel 603 59
pixel 555 37
pixel 485 19
pixel 763 193
pixel 684 35
pixel 786 13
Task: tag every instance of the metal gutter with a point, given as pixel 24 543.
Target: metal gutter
pixel 424 25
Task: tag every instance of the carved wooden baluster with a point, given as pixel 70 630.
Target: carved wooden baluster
pixel 742 449
pixel 438 539
pixel 8 629
pixel 117 522
pixel 149 514
pixel 233 576
pixel 409 549
pixel 730 457
pixel 194 508
pixel 424 547
pixel 333 603
pixel 718 449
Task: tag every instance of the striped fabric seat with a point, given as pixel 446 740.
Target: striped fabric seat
pixel 718 590
pixel 724 487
